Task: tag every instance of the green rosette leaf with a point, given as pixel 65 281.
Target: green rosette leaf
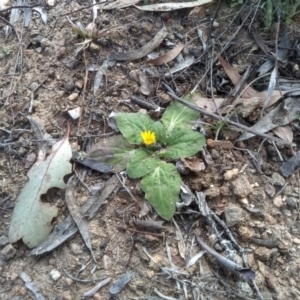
pixel 178 115
pixel 141 163
pixel 132 124
pixel 162 188
pixel 182 143
pixel 160 132
pixel 113 151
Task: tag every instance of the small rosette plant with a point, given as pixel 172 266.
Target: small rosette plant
pixel 146 149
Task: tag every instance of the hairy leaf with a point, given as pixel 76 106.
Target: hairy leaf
pixel 31 219
pixel 141 163
pixel 132 124
pixel 113 151
pixel 161 189
pixel 160 132
pixel 179 115
pixel 183 143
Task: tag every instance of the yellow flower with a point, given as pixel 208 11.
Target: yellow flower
pixel 148 137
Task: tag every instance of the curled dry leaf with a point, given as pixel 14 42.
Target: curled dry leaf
pixel 143 51
pixel 167 57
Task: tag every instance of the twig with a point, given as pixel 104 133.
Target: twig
pixel 141 232
pixel 86 7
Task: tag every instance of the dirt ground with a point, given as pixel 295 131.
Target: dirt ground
pixel 45 72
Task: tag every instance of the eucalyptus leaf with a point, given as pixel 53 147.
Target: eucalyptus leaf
pixel 141 163
pixel 162 188
pixel 179 115
pixel 32 218
pixel 132 124
pixel 183 143
pixel 113 151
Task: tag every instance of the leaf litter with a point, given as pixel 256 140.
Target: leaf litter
pixel 196 286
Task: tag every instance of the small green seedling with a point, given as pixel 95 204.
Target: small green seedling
pixel 6 51
pixel 147 149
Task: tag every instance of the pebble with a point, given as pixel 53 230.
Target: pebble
pixel 246 233
pixel 212 192
pixel 278 201
pixel 8 252
pixel 34 86
pixel 277 179
pixel 55 274
pixel 296 241
pixel 263 254
pixel 228 175
pixel 73 96
pixel 106 262
pixel 291 202
pixel 241 186
pixel 270 190
pixel 234 215
pixel 76 249
pixel 3 240
pixel 69 86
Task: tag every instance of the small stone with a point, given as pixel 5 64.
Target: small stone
pixel 244 201
pixel 55 274
pixel 34 86
pixel 8 252
pixel 106 262
pixel 296 241
pixel 3 240
pixel 75 113
pixel 241 186
pixel 270 190
pixel 263 254
pixel 67 295
pixel 51 2
pixel 212 192
pixel 234 215
pixel 76 249
pixel 73 96
pixel 79 84
pixel 291 202
pixel 69 86
pixel 246 233
pixel 69 281
pixel 277 179
pixel 228 175
pixel 278 201
pixel 45 43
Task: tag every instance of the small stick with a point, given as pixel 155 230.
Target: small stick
pixel 141 232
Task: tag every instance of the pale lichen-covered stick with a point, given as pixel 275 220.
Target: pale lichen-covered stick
pixel 143 51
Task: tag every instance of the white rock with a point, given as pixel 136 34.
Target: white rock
pixel 51 2
pixel 74 113
pixel 277 201
pixel 231 174
pixel 55 274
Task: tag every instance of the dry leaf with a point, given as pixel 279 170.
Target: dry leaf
pixel 285 133
pixel 167 57
pixel 143 51
pixel 172 6
pixel 31 219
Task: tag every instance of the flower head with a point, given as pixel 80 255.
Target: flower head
pixel 148 137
